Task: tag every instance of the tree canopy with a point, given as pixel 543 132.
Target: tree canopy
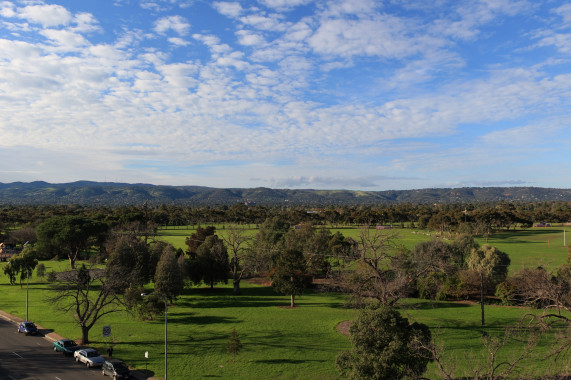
pixel 385 346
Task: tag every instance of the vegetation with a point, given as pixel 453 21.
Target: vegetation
pixel 385 346
pixel 316 259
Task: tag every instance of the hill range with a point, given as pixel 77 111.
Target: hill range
pixel 117 194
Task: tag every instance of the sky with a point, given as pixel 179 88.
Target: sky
pixel 314 94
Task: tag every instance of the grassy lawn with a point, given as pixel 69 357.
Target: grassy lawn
pixel 283 343
pixel 279 342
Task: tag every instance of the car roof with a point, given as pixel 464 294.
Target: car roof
pixel 114 361
pixel 89 350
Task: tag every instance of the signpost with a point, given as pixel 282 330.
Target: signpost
pixel 106 331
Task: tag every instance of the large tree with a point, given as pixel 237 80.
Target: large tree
pixel 210 265
pixel 385 346
pixel 383 271
pixel 169 281
pixel 89 294
pixel 69 233
pixel 290 274
pixel 132 254
pixel 237 240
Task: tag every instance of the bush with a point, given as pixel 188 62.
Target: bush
pixel 41 270
pixel 505 291
pixel 51 276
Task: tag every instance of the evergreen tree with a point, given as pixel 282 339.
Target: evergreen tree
pixel 168 277
pixel 385 346
pixel 290 274
pixel 210 265
pixel 234 345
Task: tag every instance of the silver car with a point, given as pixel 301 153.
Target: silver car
pixel 89 356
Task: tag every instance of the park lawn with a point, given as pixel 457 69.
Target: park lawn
pixel 532 248
pixel 278 342
pixel 526 248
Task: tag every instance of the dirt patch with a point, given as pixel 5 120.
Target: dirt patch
pixel 343 328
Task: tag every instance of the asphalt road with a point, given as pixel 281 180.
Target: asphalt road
pixel 32 357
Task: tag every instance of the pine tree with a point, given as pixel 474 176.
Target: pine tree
pixel 234 345
pixel 168 277
pixel 290 274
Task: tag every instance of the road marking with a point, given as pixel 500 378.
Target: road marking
pixel 58 378
pixel 11 378
pixel 21 357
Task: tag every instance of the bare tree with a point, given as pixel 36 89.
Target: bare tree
pixel 381 271
pixel 89 294
pixel 237 242
pixel 494 368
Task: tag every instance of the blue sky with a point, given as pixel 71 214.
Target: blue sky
pixel 336 94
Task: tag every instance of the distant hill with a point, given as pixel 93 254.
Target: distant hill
pixel 117 194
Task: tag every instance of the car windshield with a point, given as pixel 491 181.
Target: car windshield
pixel 69 343
pixel 92 354
pixel 28 325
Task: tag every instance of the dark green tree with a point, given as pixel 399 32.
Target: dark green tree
pixel 69 233
pixel 196 239
pixel 290 274
pixel 168 277
pixel 132 254
pixel 210 265
pixel 385 346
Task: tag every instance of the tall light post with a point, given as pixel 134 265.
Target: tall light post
pixel 27 284
pixel 166 330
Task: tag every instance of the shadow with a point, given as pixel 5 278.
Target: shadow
pixel 142 374
pixel 44 332
pixel 434 305
pixel 286 361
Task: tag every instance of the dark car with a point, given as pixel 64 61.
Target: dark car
pixel 28 328
pixel 67 346
pixel 115 368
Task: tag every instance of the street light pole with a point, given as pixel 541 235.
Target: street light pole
pixel 166 331
pixel 166 335
pixel 27 290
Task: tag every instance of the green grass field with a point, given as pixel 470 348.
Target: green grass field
pixel 283 343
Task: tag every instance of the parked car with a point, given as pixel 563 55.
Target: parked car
pixel 28 328
pixel 67 346
pixel 89 356
pixel 116 368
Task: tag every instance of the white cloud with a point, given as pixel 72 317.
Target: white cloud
pixel 176 23
pixel 230 9
pixel 284 4
pixel 65 38
pixel 45 15
pixel 247 38
pixel 178 41
pixel 385 37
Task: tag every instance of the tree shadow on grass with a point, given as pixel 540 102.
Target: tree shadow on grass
pixel 428 305
pixel 287 361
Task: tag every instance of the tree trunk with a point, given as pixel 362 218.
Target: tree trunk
pixel 236 287
pixel 292 300
pixel 84 335
pixel 71 262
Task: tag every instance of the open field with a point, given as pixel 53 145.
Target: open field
pixel 279 342
pixel 526 248
pixel 284 343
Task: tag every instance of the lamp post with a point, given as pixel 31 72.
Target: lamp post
pixel 166 329
pixel 27 284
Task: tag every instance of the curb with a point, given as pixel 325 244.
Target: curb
pixel 52 337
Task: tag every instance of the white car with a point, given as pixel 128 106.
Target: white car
pixel 89 356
